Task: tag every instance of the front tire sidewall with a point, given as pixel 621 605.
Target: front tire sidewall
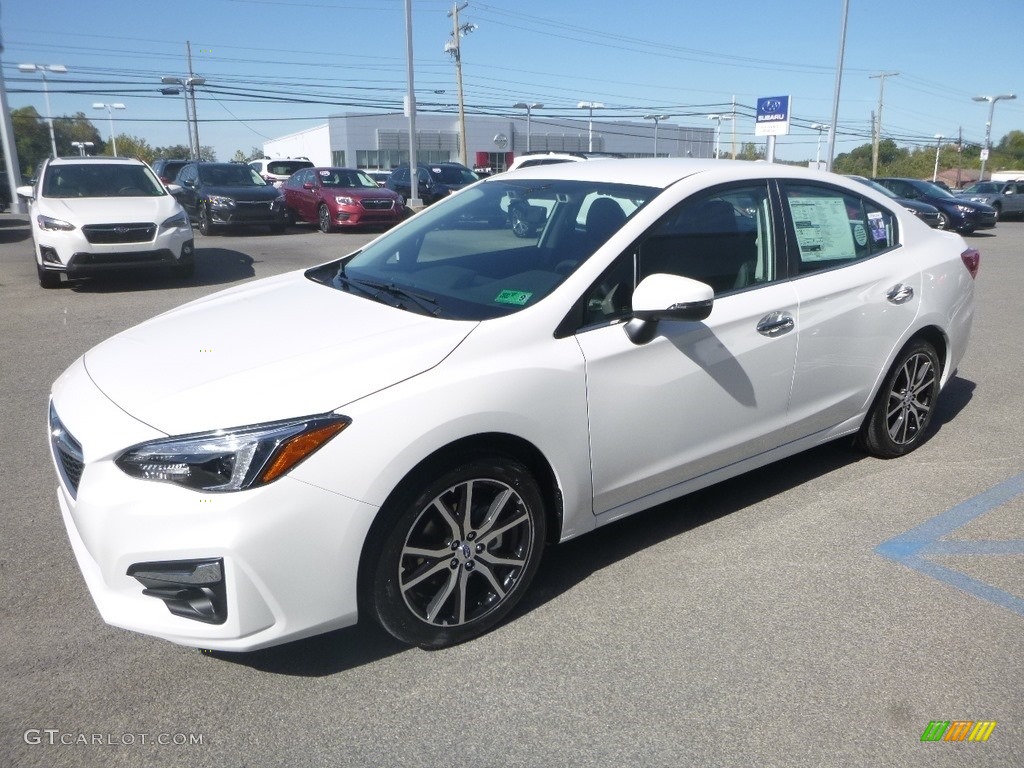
pixel 381 592
pixel 323 216
pixel 875 437
pixel 205 227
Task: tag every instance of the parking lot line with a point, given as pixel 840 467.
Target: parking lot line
pixel 915 547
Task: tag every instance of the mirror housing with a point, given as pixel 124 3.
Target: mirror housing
pixel 26 192
pixel 667 297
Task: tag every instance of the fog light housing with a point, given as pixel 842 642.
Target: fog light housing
pixel 192 589
pixel 49 254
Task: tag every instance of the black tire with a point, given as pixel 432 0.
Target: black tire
pixel 323 219
pixel 47 279
pixel 434 576
pixel 205 226
pixel 943 221
pixel 999 211
pixel 903 408
pixel 289 217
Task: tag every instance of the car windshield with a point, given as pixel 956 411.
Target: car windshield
pixel 988 188
pixel 230 175
pixel 101 180
pixel 927 188
pixel 452 174
pixel 876 186
pixel 492 250
pixel 346 178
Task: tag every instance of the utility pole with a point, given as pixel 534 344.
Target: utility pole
pixel 192 96
pixel 453 47
pixel 877 126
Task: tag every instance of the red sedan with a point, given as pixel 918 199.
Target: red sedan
pixel 333 198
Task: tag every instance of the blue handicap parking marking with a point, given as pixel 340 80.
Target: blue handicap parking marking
pixel 915 547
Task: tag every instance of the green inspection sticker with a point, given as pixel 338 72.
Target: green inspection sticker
pixel 519 298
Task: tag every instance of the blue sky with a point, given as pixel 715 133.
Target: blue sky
pixel 274 66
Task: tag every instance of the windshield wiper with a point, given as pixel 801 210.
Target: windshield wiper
pixel 376 289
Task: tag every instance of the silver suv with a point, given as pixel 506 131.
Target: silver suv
pixel 550 158
pixel 1007 197
pixel 276 171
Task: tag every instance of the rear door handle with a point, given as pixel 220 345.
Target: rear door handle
pixel 775 324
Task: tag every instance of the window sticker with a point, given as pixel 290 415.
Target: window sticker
pixel 325 173
pixel 860 234
pixel 822 228
pixel 876 222
pixel 518 298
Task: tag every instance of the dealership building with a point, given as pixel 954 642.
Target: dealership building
pixel 382 141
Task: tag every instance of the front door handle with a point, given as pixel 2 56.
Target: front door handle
pixel 900 294
pixel 775 324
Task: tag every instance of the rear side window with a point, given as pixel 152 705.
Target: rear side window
pixel 834 227
pixel 287 167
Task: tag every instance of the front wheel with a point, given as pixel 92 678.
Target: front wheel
pixel 205 225
pixel 943 221
pixel 453 556
pixel 324 219
pixel 903 408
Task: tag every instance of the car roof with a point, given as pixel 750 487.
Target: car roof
pixel 106 160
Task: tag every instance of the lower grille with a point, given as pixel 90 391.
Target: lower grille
pixel 384 204
pixel 113 234
pixel 67 452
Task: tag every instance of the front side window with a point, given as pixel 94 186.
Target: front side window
pixel 495 249
pixel 833 227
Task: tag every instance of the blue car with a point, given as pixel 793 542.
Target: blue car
pixel 955 213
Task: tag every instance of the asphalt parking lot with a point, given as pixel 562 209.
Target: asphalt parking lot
pixel 824 611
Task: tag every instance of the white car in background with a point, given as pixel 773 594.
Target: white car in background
pixel 401 433
pixel 95 215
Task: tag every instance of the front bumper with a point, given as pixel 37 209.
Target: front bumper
pixel 72 253
pixel 288 553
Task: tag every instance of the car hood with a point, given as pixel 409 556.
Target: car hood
pixel 243 193
pixel 274 349
pixel 103 210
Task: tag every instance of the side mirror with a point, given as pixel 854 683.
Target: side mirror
pixel 26 192
pixel 667 297
pixel 308 185
pixel 173 188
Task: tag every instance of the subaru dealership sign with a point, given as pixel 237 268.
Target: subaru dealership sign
pixel 772 116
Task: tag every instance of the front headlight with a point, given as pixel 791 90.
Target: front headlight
pixel 966 209
pixel 178 220
pixel 219 201
pixel 51 224
pixel 231 459
pixel 341 200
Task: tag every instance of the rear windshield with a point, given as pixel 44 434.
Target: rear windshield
pixel 101 180
pixel 230 175
pixel 450 174
pixel 287 167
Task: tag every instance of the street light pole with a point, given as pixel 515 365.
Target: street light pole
pixel 819 127
pixel 988 126
pixel 42 69
pixel 528 107
pixel 110 117
pixel 938 145
pixel 186 84
pixel 657 119
pixel 718 129
pixel 590 106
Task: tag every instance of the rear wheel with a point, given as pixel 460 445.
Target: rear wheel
pixel 903 408
pixel 454 554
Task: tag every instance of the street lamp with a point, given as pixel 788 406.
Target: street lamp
pixel 590 106
pixel 718 129
pixel 81 146
pixel 110 115
pixel 42 69
pixel 819 127
pixel 938 145
pixel 988 126
pixel 187 87
pixel 528 108
pixel 657 119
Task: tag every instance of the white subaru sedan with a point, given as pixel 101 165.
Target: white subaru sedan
pixel 94 215
pixel 399 435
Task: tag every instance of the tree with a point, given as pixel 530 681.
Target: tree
pixel 241 157
pixel 133 146
pixel 77 128
pixel 750 151
pixel 31 138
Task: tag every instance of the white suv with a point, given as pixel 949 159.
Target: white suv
pixel 278 170
pixel 549 158
pixel 93 215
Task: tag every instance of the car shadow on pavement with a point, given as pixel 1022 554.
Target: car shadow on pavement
pixel 214 266
pixel 14 230
pixel 569 564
